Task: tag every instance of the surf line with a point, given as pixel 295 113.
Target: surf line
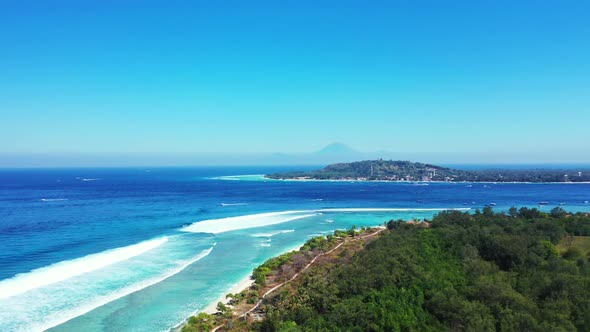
pixel 216 226
pixel 124 292
pixel 64 270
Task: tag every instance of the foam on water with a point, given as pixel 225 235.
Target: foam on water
pixel 53 199
pixel 82 294
pixel 216 226
pixel 68 269
pixel 270 234
pixel 248 177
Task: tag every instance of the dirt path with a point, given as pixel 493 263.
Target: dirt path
pixel 297 274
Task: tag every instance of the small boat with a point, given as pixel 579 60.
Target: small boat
pixel 562 203
pixel 492 204
pixel 543 203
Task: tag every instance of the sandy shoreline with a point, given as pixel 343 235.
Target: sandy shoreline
pixel 242 285
pixel 237 288
pixel 212 307
pixel 263 177
pixel 419 182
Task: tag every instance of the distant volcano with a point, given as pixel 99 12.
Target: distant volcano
pixel 337 149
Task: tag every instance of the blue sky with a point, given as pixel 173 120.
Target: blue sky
pixel 482 79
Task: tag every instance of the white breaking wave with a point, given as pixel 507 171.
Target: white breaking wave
pixel 57 272
pixel 233 204
pixel 53 199
pixel 240 177
pixel 216 226
pixel 87 180
pixel 270 234
pixel 59 318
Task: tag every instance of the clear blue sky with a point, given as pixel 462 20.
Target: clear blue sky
pixel 471 77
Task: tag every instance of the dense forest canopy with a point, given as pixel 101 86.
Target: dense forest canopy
pixel 515 271
pixel 410 171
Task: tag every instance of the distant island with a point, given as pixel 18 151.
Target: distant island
pixel 390 170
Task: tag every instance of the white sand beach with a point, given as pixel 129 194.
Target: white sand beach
pixel 238 288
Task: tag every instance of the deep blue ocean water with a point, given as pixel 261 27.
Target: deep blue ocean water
pixel 140 249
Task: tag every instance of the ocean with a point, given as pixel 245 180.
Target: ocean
pixel 141 249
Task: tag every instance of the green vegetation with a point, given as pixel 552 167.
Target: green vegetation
pixel 261 273
pixel 410 171
pixel 467 272
pixel 274 271
pixel 199 323
pixel 322 243
pixel 574 246
pixel 301 257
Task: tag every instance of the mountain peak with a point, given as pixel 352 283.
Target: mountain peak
pixel 337 148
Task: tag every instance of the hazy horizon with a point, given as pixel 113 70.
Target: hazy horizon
pixel 333 153
pixel 231 83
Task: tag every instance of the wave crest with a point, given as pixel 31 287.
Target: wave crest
pixel 271 234
pixel 216 226
pixel 222 225
pixel 33 317
pixel 64 270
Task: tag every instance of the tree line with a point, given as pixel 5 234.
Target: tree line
pixel 484 271
pixel 412 171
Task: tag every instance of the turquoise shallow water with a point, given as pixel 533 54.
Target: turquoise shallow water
pixel 142 249
pixel 233 258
